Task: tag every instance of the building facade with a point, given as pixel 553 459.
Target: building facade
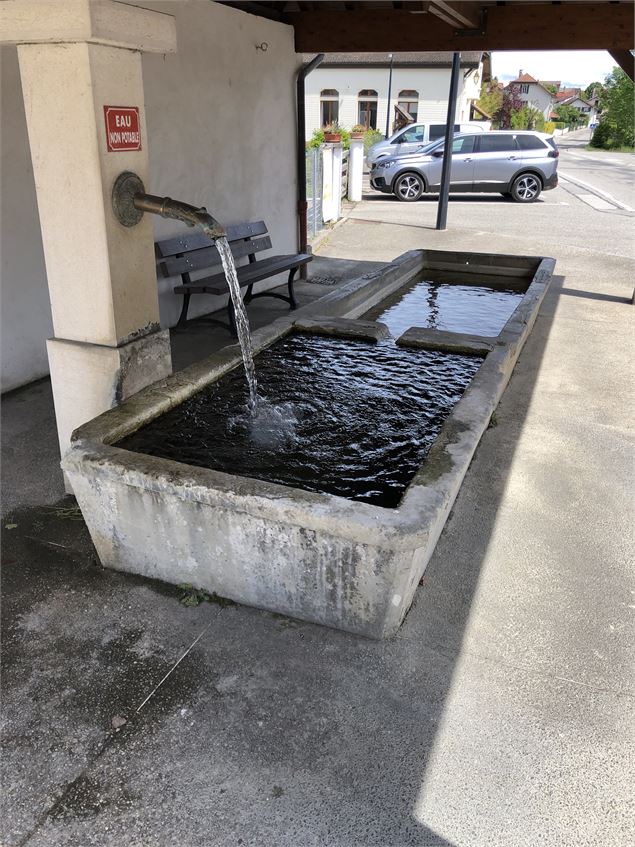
pixel 352 88
pixel 534 93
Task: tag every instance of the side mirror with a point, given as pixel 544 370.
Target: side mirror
pixel 438 154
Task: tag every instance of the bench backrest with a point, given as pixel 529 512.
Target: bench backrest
pixel 195 251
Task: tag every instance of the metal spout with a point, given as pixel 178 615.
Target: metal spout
pixel 129 202
pixel 178 211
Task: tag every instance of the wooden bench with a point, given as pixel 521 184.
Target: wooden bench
pixel 194 251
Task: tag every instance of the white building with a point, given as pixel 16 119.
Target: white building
pixel 572 97
pixel 533 92
pixel 352 88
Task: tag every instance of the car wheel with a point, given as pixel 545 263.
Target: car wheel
pixel 526 188
pixel 409 187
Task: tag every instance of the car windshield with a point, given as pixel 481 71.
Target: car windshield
pixel 460 144
pixel 431 145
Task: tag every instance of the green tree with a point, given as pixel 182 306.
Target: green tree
pixel 617 128
pixel 528 118
pixel 568 115
pixel 592 89
pixel 491 97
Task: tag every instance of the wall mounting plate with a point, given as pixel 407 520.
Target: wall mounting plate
pixel 126 186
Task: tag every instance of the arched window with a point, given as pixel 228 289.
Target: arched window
pixel 329 106
pixel 367 109
pixel 408 100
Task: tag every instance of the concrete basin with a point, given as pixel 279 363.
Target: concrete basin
pixel 313 556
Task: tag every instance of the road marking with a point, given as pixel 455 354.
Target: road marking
pixel 596 191
pixel 597 202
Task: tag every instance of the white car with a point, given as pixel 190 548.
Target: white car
pixel 412 138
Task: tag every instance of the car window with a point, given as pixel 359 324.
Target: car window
pixel 411 135
pixel 463 145
pixel 530 142
pixel 438 131
pixel 491 143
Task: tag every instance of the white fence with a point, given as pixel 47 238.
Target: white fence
pixel 331 174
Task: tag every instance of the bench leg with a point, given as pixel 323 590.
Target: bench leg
pixel 249 294
pixel 292 300
pixel 183 316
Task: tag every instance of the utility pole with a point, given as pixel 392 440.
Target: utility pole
pixel 390 56
pixel 442 212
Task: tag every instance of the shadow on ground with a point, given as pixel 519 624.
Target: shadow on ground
pixel 269 731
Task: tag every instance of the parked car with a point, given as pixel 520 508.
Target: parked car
pixel 411 138
pixel 516 164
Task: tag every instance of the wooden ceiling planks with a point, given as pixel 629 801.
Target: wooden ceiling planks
pixel 395 27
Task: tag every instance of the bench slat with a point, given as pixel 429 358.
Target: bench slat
pixel 217 284
pixel 196 240
pixel 198 260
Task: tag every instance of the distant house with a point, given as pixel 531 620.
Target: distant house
pixel 352 88
pixel 572 97
pixel 534 93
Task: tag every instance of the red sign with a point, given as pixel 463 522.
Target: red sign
pixel 122 128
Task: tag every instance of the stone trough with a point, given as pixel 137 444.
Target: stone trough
pixel 306 554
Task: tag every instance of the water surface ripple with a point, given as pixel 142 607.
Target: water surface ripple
pixel 364 416
pixel 472 309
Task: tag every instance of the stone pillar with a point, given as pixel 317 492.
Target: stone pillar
pixel 331 182
pixel 355 169
pixel 77 58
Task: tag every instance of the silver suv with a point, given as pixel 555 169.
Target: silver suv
pixel 412 138
pixel 517 164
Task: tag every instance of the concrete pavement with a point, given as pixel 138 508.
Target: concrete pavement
pixel 502 713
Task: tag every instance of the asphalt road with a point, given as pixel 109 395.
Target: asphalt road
pixel 602 180
pixel 605 175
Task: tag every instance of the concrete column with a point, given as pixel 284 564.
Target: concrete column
pixel 78 57
pixel 355 169
pixel 328 210
pixel 331 182
pixel 338 151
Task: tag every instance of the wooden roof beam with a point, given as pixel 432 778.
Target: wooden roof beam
pixel 516 26
pixel 626 61
pixel 458 15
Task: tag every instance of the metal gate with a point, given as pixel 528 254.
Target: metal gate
pixel 314 190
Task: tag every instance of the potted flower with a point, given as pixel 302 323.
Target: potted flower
pixel 358 131
pixel 332 133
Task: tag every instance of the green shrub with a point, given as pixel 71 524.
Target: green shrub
pixel 549 127
pixel 609 137
pixel 371 136
pixel 317 138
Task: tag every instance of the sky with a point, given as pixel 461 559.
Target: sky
pixel 577 67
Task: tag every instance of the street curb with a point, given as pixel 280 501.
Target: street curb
pixel 603 195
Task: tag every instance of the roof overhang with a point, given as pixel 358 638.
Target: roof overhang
pixel 377 27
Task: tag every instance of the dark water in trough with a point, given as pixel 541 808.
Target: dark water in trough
pixel 344 417
pixel 474 309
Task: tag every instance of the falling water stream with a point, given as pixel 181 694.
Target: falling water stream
pixel 270 425
pixel 240 313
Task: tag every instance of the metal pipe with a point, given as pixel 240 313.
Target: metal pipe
pixel 444 193
pixel 389 93
pixel 178 211
pixel 304 71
